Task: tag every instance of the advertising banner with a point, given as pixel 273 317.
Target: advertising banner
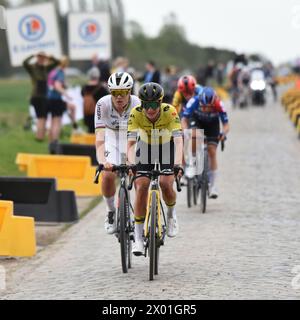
pixel 89 33
pixel 30 30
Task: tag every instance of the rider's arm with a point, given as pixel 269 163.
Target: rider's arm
pixel 100 131
pixel 191 105
pixel 225 128
pixel 131 151
pixel 132 132
pixel 178 142
pixel 175 128
pixel 176 102
pixel 223 116
pixel 100 145
pixel 184 123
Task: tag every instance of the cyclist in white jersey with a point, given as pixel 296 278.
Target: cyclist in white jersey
pixel 111 117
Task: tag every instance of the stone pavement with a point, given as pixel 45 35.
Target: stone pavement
pixel 244 247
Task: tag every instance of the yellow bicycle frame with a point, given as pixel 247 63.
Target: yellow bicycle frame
pixel 147 218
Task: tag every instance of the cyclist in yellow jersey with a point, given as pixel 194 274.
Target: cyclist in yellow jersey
pixel 187 87
pixel 144 119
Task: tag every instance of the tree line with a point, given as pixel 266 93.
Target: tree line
pixel 169 47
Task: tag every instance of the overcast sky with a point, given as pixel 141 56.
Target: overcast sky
pixel 264 26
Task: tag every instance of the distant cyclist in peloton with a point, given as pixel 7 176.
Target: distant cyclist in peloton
pixel 205 111
pixel 112 111
pixel 187 87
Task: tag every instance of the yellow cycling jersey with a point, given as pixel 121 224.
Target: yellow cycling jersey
pixel 161 131
pixel 178 100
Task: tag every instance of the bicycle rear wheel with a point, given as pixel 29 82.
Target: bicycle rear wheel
pixel 125 241
pixel 156 259
pixel 204 183
pixel 152 243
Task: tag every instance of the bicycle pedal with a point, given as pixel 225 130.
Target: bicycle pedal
pixel 117 236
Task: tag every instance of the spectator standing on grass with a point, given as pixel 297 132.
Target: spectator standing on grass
pixel 59 101
pixel 91 93
pixel 38 72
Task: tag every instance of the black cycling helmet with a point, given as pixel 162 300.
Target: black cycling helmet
pixel 151 91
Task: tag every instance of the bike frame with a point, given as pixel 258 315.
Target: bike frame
pixel 154 188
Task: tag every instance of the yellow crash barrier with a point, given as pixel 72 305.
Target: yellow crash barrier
pixel 17 234
pixel 295 115
pixel 71 172
pixel 222 93
pixel 298 127
pixel 292 106
pixel 88 138
pixel 290 95
pixel 287 79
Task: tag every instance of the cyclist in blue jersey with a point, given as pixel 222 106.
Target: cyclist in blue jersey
pixel 205 111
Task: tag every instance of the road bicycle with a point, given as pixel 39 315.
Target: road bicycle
pixel 199 183
pixel 203 179
pixel 155 220
pixel 125 225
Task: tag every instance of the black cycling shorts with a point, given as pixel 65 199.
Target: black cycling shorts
pixel 56 107
pixel 211 129
pixel 146 155
pixel 40 106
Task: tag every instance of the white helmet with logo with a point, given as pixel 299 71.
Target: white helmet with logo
pixel 120 81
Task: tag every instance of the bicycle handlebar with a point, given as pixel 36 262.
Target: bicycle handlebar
pixel 149 173
pixel 222 142
pixel 122 168
pixel 178 185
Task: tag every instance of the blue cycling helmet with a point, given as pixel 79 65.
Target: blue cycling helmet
pixel 207 96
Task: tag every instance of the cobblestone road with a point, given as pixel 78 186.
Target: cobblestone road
pixel 245 247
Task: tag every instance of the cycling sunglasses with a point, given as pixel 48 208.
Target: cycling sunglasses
pixel 151 104
pixel 122 93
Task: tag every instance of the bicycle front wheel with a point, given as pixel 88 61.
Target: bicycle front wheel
pixel 196 190
pixel 189 189
pixel 125 241
pixel 153 268
pixel 204 183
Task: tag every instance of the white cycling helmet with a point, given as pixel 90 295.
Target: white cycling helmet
pixel 119 81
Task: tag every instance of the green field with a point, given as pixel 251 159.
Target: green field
pixel 14 103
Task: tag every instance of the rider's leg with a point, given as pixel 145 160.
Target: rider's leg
pixel 140 205
pixel 108 191
pixel 213 165
pixel 169 195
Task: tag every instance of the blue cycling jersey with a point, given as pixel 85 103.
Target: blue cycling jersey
pixel 205 113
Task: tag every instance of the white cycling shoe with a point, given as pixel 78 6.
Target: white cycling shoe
pixel 213 193
pixel 110 224
pixel 138 248
pixel 172 227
